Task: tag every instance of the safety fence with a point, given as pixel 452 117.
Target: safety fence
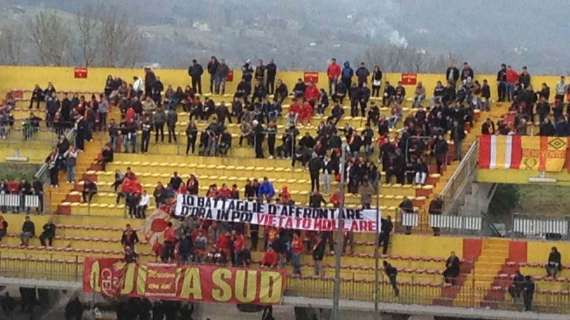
pixel 70 269
pixel 541 227
pixel 444 223
pixel 20 202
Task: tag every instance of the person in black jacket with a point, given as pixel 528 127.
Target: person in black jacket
pixel 191 135
pixel 517 285
pixel 259 133
pixel 467 72
pixel 389 94
pixel 74 309
pixel 451 268
pixel 391 273
pixel 452 74
pixel 315 166
pixel 554 264
pixel 28 232
pixel 376 81
pixel 212 68
pixel 502 83
pixel 386 228
pixel 318 255
pixel 37 97
pixel 48 234
pixel 195 72
pixel 528 293
pixel 271 71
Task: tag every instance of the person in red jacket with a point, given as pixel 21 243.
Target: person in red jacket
pixel 239 245
pixel 169 243
pixel 296 107
pixel 296 252
pixel 224 192
pixel 512 79
pixel 223 246
pixel 270 258
pixel 312 94
pixel 333 72
pixel 306 113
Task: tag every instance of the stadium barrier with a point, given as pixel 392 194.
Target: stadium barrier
pixel 17 202
pixel 541 227
pixel 461 178
pixel 474 295
pixel 449 223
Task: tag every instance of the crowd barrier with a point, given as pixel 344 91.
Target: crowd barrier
pixel 17 202
pixel 541 227
pixel 453 224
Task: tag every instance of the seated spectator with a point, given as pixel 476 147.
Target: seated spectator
pixel 406 206
pixel 48 234
pixel 554 264
pixel 516 287
pixel 421 172
pixel 129 237
pixel 89 190
pixel 270 258
pixel 451 271
pixel 107 155
pixel 420 95
pixel 3 227
pixel 28 232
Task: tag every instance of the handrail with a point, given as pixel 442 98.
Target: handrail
pixel 460 177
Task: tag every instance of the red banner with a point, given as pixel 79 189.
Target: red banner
pixel 204 283
pixel 80 73
pixel 311 76
pixel 409 79
pixel 230 76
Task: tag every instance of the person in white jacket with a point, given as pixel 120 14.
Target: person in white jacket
pixel 143 205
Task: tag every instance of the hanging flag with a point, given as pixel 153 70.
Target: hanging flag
pixel 500 152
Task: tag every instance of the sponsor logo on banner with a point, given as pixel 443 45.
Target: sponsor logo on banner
pixel 409 79
pixel 80 73
pixel 203 283
pixel 282 216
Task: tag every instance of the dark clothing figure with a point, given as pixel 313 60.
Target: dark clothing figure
pixel 74 309
pixel 451 269
pixel 516 287
pixel 384 236
pixel 392 274
pixel 48 234
pixel 554 264
pixel 528 293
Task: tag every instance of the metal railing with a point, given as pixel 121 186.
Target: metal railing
pixel 537 227
pixel 42 173
pixel 455 187
pixel 470 295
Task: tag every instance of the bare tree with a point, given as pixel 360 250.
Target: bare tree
pixel 88 27
pixel 120 41
pixel 10 45
pixel 50 38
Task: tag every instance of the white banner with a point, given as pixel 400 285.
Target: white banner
pixel 281 216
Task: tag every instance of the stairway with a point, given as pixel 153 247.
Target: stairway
pixel 488 265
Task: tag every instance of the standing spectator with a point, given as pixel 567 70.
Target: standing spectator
pixel 47 236
pixel 102 110
pixel 436 208
pixel 458 135
pixel 467 73
pixel 362 74
pixel 171 119
pixel 376 81
pixel 528 293
pixel 451 271
pixel 554 264
pixel 485 96
pixel 346 75
pixel 195 72
pixel 74 309
pixel 130 256
pixel 296 252
pixel 333 73
pixel 512 79
pixel 159 119
pixel 28 232
pixel 146 128
pixel 149 79
pixel 391 273
pixel 129 237
pixel 452 74
pixel 143 205
pixel 384 237
pixel 318 253
pixel 271 70
pixel 440 148
pixel 271 137
pixel 266 190
pixel 259 135
pixel 561 89
pixel 37 96
pixel 365 190
pixel 315 166
pixel 222 72
pixel 502 83
pixel 525 78
pixel 3 227
pixel 212 68
pixel 191 135
pixel 70 162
